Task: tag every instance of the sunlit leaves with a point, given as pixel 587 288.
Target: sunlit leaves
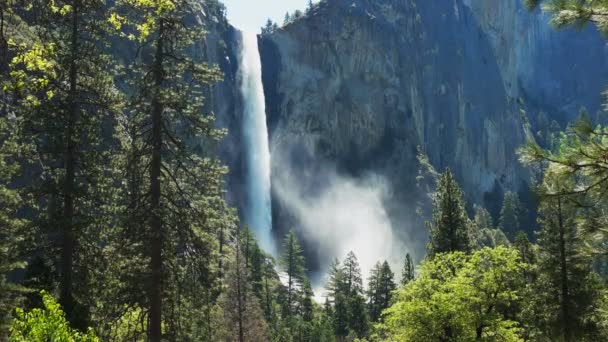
pixel 32 69
pixel 458 298
pixel 117 20
pixel 574 12
pixel 46 324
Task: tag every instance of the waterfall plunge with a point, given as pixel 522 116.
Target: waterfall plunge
pixel 258 212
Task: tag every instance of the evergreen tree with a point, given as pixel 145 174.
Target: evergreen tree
pixel 409 271
pixel 358 321
pixel 510 215
pixel 449 224
pixel 373 292
pixel 387 285
pixel 306 304
pixel 353 295
pixel 482 232
pixel 566 271
pixel 287 19
pixel 292 262
pixel 240 308
pixel 309 7
pixel 13 232
pixel 341 319
pixel 483 219
pixel 352 274
pixel 335 281
pixel 269 27
pixel 380 288
pixel 525 248
pixel 64 84
pixel 270 282
pixel 180 198
pixel 575 13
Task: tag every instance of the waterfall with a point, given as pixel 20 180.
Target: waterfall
pixel 257 211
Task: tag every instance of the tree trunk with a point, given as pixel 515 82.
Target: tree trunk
pixel 564 274
pixel 66 297
pixel 289 286
pixel 239 291
pixel 156 227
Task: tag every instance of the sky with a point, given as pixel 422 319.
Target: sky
pixel 250 15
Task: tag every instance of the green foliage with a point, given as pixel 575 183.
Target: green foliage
pixel 565 274
pixel 240 317
pixel 62 84
pixel 482 232
pixel 47 324
pixel 345 292
pixel 292 263
pixel 511 215
pixel 576 169
pixel 174 215
pixel 459 297
pixel 14 233
pixel 449 224
pixel 409 270
pixel 526 250
pixel 575 12
pixel 380 287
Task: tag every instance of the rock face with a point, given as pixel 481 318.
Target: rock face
pixel 220 48
pixel 360 84
pixel 557 71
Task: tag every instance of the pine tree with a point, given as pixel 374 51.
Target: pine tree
pixel 181 207
pixel 483 218
pixel 268 28
pixel 358 321
pixel 335 281
pixel 575 13
pixel 341 317
pixel 566 272
pixel 292 262
pixel 353 295
pixel 287 19
pixel 306 304
pixel 408 273
pixel 579 158
pixel 64 84
pixel 525 248
pixel 387 285
pixel 449 224
pixel 241 309
pixel 352 274
pixel 373 292
pixel 13 232
pixel 380 287
pixel 510 215
pixel 309 7
pixel 270 281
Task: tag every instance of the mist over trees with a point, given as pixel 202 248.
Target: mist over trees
pixel 115 226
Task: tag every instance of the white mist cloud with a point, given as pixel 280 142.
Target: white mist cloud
pixel 341 214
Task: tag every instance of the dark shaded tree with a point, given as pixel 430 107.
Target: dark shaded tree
pixel 449 223
pixel 380 287
pixel 511 215
pixel 292 263
pixel 409 270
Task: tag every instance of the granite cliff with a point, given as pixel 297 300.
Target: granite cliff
pixel 361 84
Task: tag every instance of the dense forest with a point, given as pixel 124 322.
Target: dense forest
pixel 114 223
